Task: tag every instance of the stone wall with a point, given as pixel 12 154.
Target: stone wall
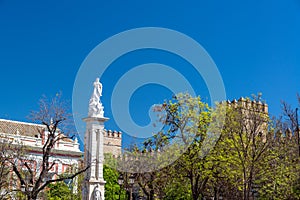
pixel 112 142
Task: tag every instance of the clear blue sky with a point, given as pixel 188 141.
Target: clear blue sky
pixel 255 45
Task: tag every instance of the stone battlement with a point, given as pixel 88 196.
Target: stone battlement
pixel 250 104
pixel 113 134
pixel 112 142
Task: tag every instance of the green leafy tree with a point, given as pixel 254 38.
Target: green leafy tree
pixel 59 191
pixel 186 124
pixel 245 147
pixel 249 160
pixel 112 189
pixel 283 180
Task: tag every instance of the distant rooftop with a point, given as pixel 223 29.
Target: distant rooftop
pixel 22 128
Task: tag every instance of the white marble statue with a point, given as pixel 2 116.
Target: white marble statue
pixel 97 93
pixel 97 193
pixel 95 105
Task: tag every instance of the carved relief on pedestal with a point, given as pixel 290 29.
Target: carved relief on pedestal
pixel 97 193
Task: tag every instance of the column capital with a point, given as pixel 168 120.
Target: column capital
pixel 95 119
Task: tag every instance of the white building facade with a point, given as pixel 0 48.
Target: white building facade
pixel 66 153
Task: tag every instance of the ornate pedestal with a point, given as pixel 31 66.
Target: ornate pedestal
pixel 93 187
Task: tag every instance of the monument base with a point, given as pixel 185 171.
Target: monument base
pixel 94 186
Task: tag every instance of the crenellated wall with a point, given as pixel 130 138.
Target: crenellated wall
pixel 112 142
pixel 113 139
pixel 250 105
pixel 254 115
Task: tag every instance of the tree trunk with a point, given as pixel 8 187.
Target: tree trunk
pixel 31 197
pixel 151 195
pixel 244 187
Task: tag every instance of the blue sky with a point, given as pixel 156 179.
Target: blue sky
pixel 255 45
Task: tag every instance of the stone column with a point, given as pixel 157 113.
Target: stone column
pixel 93 187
